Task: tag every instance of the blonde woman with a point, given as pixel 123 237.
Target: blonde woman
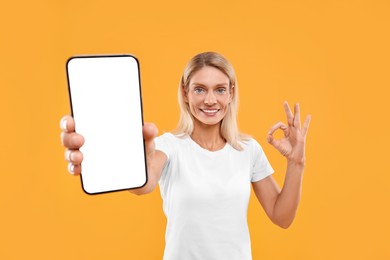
pixel 205 167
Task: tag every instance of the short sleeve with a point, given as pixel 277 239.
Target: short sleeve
pixel 165 143
pixel 261 167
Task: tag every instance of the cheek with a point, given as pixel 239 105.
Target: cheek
pixel 192 105
pixel 225 102
pixel 193 100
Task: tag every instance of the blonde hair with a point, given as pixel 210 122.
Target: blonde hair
pixel 229 129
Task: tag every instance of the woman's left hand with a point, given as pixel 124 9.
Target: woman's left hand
pixel 292 145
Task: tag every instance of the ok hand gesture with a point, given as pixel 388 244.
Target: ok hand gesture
pixel 292 145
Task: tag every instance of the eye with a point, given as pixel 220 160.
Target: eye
pixel 221 90
pixel 199 90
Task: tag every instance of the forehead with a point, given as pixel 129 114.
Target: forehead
pixel 209 76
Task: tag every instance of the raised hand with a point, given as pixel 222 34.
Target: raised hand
pixel 74 141
pixel 292 145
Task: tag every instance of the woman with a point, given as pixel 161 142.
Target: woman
pixel 206 167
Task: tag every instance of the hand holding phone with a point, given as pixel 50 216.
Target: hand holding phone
pixel 107 89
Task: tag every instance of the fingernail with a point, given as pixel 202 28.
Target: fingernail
pixel 63 124
pixel 71 168
pixel 68 155
pixel 72 155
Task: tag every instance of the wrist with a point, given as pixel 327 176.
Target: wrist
pixel 296 163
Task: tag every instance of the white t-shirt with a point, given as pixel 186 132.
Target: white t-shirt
pixel 205 198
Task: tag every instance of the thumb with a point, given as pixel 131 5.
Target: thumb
pixel 149 131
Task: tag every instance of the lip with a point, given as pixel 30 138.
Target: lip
pixel 210 112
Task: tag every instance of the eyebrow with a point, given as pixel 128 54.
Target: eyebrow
pixel 218 85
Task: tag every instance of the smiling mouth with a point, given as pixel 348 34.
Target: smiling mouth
pixel 210 111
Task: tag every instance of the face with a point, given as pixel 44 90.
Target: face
pixel 208 95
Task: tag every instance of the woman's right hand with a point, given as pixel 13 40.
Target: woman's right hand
pixel 72 141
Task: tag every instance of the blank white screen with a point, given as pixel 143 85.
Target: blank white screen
pixel 106 106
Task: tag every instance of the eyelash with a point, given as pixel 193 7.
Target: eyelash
pixel 198 90
pixel 218 91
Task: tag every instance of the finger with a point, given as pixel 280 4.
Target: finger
pixel 279 125
pixel 306 125
pixel 67 124
pixel 72 141
pixel 297 116
pixel 272 141
pixel 74 156
pixel 289 114
pixel 150 132
pixel 74 169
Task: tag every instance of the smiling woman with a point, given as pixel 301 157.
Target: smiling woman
pixel 209 83
pixel 206 167
pixel 208 96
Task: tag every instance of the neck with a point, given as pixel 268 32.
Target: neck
pixel 208 136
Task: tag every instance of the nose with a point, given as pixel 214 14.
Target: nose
pixel 210 98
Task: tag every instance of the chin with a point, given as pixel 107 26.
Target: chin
pixel 209 122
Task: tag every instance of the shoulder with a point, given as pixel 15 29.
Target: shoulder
pixel 250 144
pixel 169 143
pixel 164 136
pixel 169 137
pixel 252 148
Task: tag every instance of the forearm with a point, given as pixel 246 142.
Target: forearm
pixel 147 188
pixel 287 201
pixel 155 162
pixel 150 184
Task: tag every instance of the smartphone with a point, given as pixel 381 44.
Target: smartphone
pixel 106 104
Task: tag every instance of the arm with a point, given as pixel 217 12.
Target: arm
pixel 281 205
pixel 155 159
pixel 155 165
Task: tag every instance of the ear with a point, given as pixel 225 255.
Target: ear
pixel 231 93
pixel 184 93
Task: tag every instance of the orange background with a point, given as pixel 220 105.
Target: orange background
pixel 331 56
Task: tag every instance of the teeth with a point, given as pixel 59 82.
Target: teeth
pixel 210 111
